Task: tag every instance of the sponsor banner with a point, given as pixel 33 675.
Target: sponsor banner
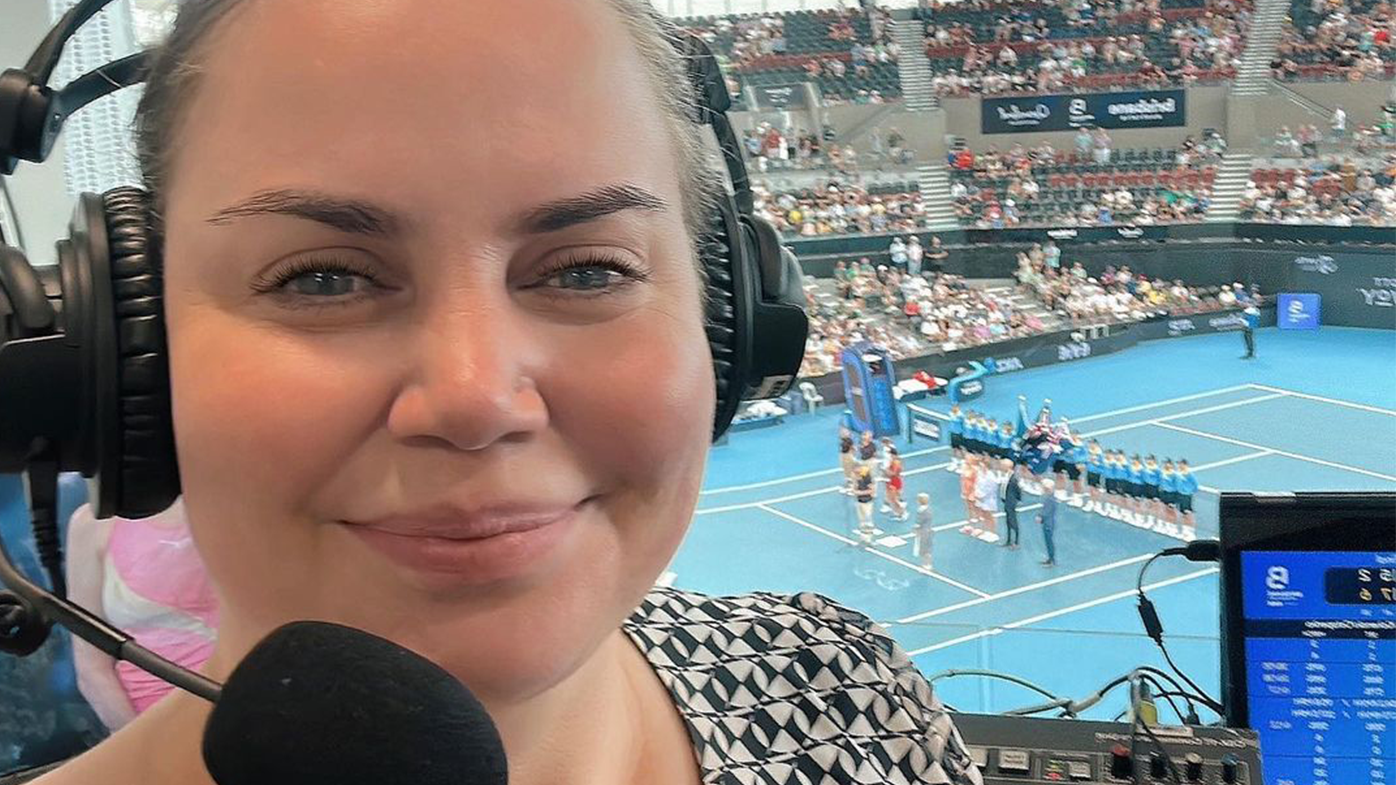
pixel 1356 291
pixel 1323 264
pixel 925 428
pixel 785 96
pixel 1006 364
pixel 1075 234
pixel 1135 109
pixel 1381 294
pixel 1298 311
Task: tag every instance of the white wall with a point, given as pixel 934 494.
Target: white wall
pixel 40 196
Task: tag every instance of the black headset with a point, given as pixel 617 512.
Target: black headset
pixel 84 378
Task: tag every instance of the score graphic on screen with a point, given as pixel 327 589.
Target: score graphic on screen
pixel 1360 586
pixel 1320 631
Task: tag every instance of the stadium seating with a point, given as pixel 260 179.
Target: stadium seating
pixel 1166 42
pixel 804 46
pixel 1351 41
pixel 840 208
pixel 1346 193
pixel 1155 180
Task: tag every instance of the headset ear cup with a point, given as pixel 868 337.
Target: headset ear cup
pixel 721 322
pixel 146 473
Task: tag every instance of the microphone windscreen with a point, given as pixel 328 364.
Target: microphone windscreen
pixel 322 704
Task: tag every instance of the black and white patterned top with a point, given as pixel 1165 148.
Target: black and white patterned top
pixel 797 690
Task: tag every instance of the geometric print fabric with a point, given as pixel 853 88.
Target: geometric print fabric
pixel 796 690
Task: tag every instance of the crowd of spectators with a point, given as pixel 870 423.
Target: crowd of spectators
pixel 998 49
pixel 915 315
pixel 909 315
pixel 1330 189
pixel 839 207
pixel 1348 39
pixel 1091 185
pixel 1117 294
pixel 850 52
pixel 769 148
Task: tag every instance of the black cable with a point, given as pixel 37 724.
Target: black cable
pixel 1008 677
pixel 1155 674
pixel 1160 692
pixel 1197 550
pixel 1199 697
pixel 1136 678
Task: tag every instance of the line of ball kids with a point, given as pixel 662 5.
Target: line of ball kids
pixel 1138 491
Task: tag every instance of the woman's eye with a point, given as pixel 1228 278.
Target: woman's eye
pixel 324 283
pixel 592 276
pixel 318 283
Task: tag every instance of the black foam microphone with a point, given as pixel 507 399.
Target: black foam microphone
pixel 321 704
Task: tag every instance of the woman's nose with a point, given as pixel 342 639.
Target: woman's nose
pixel 473 379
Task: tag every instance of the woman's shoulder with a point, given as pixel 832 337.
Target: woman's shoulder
pixel 765 677
pixel 766 622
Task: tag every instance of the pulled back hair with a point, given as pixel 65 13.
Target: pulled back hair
pixel 177 64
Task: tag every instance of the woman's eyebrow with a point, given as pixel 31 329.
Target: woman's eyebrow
pixel 354 216
pixel 590 206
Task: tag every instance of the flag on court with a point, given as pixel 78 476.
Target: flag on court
pixel 1021 427
pixel 1041 443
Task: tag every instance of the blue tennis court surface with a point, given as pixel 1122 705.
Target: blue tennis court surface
pixel 1315 411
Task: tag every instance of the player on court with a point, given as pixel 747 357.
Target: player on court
pixel 1134 490
pixel 1154 507
pixel 1168 495
pixel 986 493
pixel 847 461
pixel 924 530
pixel 1005 441
pixel 864 491
pixel 956 427
pixel 968 477
pixel 867 452
pixel 894 486
pixel 1095 477
pixel 1075 452
pixel 1187 486
pixel 973 435
pixel 1114 484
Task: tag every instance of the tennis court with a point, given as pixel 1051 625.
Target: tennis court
pixel 1315 412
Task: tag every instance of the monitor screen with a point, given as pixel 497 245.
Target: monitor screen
pixel 1319 637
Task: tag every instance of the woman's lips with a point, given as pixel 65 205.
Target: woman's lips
pixel 474 550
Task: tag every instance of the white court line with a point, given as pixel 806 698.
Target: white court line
pixel 1088 418
pixel 1060 612
pixel 1029 587
pixel 1335 401
pixel 806 475
pixel 804 493
pixel 875 552
pixel 1295 456
pixel 1190 413
pixel 1141 407
pixel 1248 456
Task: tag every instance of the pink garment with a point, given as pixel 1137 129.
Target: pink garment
pixel 155 588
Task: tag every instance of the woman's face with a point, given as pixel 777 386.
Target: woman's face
pixel 373 337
